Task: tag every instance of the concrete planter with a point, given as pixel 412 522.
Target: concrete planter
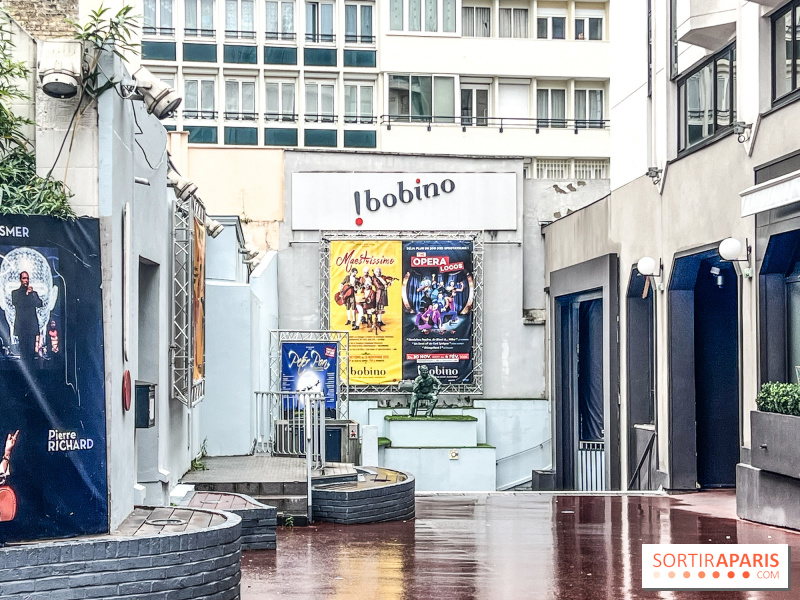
pixel 774 443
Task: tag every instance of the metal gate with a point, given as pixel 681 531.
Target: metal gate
pixel 591 466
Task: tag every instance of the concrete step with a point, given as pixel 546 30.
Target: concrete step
pixel 256 489
pixel 286 504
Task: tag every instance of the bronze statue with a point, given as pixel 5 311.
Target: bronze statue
pixel 426 387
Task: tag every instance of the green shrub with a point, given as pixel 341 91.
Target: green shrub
pixel 783 398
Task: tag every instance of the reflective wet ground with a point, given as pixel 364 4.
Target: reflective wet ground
pixel 498 546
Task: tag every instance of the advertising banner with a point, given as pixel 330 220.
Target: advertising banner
pixel 52 392
pixel 365 299
pixel 199 302
pixel 438 290
pixel 310 368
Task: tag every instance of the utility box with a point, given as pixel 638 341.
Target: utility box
pixel 145 408
pixel 543 481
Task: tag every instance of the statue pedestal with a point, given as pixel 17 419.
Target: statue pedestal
pixel 440 431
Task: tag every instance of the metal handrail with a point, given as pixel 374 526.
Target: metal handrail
pixel 351 38
pixel 280 35
pixel 235 34
pixel 199 32
pixel 321 38
pixel 241 116
pixel 150 30
pixel 497 122
pixel 536 447
pixel 648 453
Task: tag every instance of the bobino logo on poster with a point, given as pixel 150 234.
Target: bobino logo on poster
pixel 716 567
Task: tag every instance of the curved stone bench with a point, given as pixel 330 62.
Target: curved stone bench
pixel 197 563
pixel 258 520
pixel 349 503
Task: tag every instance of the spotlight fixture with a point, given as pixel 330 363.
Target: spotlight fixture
pixel 213 228
pixel 742 130
pixel 654 173
pixel 183 188
pixel 160 99
pixel 59 67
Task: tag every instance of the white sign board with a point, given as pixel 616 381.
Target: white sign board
pixel 771 194
pixel 404 201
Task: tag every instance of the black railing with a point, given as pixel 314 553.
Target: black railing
pixel 240 116
pixel 320 118
pixel 321 38
pixel 286 117
pixel 240 35
pixel 192 32
pixel 498 122
pixel 350 38
pixel 199 114
pixel 646 456
pixel 150 30
pixel 281 35
pixel 362 119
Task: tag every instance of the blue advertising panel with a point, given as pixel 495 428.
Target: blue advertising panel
pixel 310 368
pixel 438 299
pixel 52 394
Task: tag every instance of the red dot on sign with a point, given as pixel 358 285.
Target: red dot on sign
pixel 716 574
pixel 686 574
pixel 671 574
pixel 746 574
pixel 359 221
pixel 701 574
pixel 417 180
pixel 731 574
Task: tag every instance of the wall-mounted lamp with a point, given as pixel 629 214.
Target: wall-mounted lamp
pixel 654 173
pixel 648 267
pixel 213 228
pixel 730 249
pixel 183 188
pixel 742 130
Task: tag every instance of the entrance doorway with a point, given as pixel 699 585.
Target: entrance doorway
pixel 704 372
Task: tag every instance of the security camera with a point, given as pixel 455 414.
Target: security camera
pixel 213 228
pixel 59 67
pixel 160 99
pixel 183 188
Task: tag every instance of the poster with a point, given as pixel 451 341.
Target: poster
pixel 438 291
pixel 310 368
pixel 199 302
pixel 52 379
pixel 365 300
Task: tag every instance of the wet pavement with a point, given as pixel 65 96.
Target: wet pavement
pixel 494 546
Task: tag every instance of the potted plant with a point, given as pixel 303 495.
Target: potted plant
pixel 775 429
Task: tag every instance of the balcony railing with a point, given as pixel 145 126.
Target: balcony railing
pixel 232 34
pixel 284 117
pixel 499 123
pixel 350 38
pixel 199 114
pixel 320 118
pixel 240 116
pixel 150 30
pixel 206 33
pixel 321 38
pixel 360 119
pixel 281 35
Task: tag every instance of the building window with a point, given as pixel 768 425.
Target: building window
pixel 199 18
pixel 319 22
pixel 551 107
pixel 434 15
pixel 240 19
pixel 158 17
pixel 280 101
pixel 786 50
pixel 358 24
pixel 240 100
pixel 706 98
pixel 588 108
pixel 513 22
pixel 320 102
pixel 396 15
pixel 358 103
pixel 588 28
pixel 673 38
pixel 476 21
pixel 551 26
pixel 280 20
pixel 198 99
pixel 475 105
pixel 421 98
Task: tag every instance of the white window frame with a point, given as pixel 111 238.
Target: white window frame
pixel 318 37
pixel 474 119
pixel 199 113
pixel 199 31
pixel 583 121
pixel 281 33
pixel 550 121
pixel 513 8
pixel 433 117
pixel 359 37
pixel 319 116
pixel 474 33
pixel 359 116
pixel 439 32
pixel 239 33
pixel 282 115
pixel 158 28
pixel 240 114
pixel 549 15
pixel 585 15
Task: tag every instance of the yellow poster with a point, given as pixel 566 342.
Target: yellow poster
pixel 365 300
pixel 199 301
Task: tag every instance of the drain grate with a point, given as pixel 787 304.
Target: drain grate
pixel 171 521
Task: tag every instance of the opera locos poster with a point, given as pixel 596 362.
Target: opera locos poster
pixel 52 398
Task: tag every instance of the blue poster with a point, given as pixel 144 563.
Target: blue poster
pixel 310 368
pixel 53 480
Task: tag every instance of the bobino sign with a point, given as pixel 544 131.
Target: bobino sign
pixel 716 567
pixel 399 201
pixel 52 394
pixel 310 368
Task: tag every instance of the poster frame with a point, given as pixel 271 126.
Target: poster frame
pixel 477 239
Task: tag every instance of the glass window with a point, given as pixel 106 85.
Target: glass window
pixel 199 99
pixel 589 28
pixel 559 28
pixel 280 101
pixel 476 21
pixel 421 98
pixel 431 15
pixel 474 106
pixel 444 99
pixel 280 20
pixel 240 19
pixel 399 104
pixel 580 26
pixel 396 15
pixel 415 15
pixel 551 107
pixel 358 23
pixel 595 28
pixel 541 28
pixel 448 15
pixel 358 103
pixel 320 102
pixel 199 17
pixel 240 100
pixel 319 22
pixel 158 17
pixel 785 55
pixel 366 24
pixel 514 22
pixel 589 108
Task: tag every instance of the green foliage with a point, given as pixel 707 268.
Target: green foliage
pixel 288 521
pixel 783 398
pixel 384 442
